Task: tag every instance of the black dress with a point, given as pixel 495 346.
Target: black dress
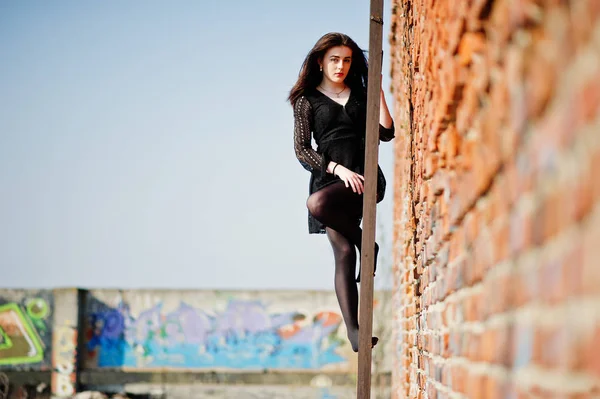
pixel 339 132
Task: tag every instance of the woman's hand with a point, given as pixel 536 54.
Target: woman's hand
pixel 351 179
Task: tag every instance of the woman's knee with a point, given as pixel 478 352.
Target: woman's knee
pixel 345 252
pixel 317 204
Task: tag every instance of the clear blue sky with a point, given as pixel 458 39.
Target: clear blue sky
pixel 149 144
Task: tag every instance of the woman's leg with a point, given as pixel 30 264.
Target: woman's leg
pixel 338 207
pixel 345 286
pixel 334 206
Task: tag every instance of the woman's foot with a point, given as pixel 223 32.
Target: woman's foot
pixel 376 252
pixel 353 338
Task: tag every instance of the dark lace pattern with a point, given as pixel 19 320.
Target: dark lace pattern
pixel 308 157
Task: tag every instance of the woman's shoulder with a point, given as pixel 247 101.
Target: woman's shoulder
pixel 310 94
pixel 308 98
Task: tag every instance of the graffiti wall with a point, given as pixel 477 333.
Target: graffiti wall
pixel 216 330
pixel 69 331
pixel 26 329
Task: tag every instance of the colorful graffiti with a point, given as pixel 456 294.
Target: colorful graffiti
pixel 63 361
pixel 24 332
pixel 243 336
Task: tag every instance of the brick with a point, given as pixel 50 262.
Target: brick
pixel 582 195
pixel 471 223
pixel 485 165
pixel 431 165
pixel 517 112
pixel 475 386
pixel 527 287
pixel 473 304
pixel 524 13
pixel 511 188
pixel 478 12
pixel 551 277
pixel 521 230
pixel 474 347
pixel 492 388
pixel 467 109
pixel 455 25
pixel 573 264
pixel 590 257
pixel 470 43
pixel 595 165
pixel 588 101
pixel 592 360
pixel 540 75
pixel 459 378
pixel 502 249
pixel 468 152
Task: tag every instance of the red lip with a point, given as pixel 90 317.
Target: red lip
pixel 339 74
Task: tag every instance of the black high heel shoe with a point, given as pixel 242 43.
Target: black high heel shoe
pixel 376 253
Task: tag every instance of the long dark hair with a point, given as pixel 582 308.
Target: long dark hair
pixel 310 76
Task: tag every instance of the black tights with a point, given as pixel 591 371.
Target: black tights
pixel 339 208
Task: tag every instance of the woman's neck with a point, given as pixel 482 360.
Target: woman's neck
pixel 330 86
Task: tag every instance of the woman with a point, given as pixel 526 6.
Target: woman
pixel 329 101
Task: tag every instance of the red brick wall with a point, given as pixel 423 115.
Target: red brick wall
pixel 497 198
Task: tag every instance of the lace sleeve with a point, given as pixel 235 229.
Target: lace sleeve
pixel 308 157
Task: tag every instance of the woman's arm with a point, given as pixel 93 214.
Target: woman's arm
pixel 310 159
pixel 385 119
pixel 386 123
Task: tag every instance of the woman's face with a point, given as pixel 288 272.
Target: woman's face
pixel 336 63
